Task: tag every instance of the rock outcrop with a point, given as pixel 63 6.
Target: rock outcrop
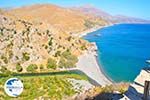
pixel 136 89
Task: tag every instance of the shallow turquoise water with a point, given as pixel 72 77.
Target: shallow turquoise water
pixel 123 49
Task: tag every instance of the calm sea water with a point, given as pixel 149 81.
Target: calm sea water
pixel 123 49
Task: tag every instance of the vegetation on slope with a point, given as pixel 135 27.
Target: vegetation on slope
pixel 51 63
pixel 28 43
pixel 33 38
pixel 54 87
pixel 67 60
pixel 104 93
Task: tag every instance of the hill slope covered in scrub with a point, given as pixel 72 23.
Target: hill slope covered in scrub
pixel 32 37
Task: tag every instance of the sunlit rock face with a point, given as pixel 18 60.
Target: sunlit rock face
pixel 136 89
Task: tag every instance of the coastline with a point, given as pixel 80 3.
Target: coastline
pixel 101 68
pixel 99 60
pixel 81 34
pixel 88 62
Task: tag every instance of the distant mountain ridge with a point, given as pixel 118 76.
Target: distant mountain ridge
pixel 128 19
pixel 62 18
pixel 91 10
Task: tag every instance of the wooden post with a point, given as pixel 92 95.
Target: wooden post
pixel 146 90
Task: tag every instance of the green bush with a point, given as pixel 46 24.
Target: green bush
pixel 26 56
pixel 4 59
pixel 32 68
pixel 47 32
pixel 67 60
pixel 66 53
pixel 41 67
pixel 62 63
pixel 69 38
pixel 57 53
pixel 4 71
pixel 83 47
pixel 19 68
pixel 89 24
pixel 72 58
pixel 70 64
pixel 1 33
pixel 50 42
pixel 51 64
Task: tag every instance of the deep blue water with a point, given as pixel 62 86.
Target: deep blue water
pixel 123 49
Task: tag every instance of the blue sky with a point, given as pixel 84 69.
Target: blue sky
pixel 134 8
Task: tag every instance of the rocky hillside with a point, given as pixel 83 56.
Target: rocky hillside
pixel 40 37
pixel 63 19
pixel 110 92
pixel 136 89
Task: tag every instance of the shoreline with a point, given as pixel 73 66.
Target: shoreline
pixel 89 64
pixel 84 33
pixel 101 68
pixel 100 65
pixel 81 34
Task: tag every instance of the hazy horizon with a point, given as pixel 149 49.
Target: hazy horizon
pixel 134 8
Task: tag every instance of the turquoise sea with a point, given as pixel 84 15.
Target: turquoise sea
pixel 122 49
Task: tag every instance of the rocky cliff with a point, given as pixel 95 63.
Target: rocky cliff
pixel 136 89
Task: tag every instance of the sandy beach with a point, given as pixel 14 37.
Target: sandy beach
pixel 81 34
pixel 88 64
